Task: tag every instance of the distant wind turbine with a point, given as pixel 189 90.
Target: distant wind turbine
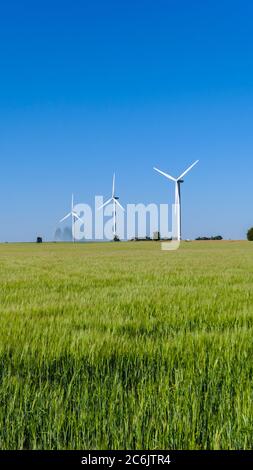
pixel 74 216
pixel 116 203
pixel 178 181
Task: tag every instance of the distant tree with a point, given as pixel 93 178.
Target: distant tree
pixel 39 240
pixel 217 237
pixel 250 234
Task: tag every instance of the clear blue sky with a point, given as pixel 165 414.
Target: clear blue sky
pixel 89 87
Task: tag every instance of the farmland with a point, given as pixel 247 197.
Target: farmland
pixel 123 346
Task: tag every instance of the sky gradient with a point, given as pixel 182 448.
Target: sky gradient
pixel 89 88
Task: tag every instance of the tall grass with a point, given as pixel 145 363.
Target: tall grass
pixel 113 346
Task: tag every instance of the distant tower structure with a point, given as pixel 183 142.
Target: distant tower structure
pixel 177 206
pixel 156 236
pixel 115 200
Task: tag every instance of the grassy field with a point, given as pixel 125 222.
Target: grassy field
pixel 122 346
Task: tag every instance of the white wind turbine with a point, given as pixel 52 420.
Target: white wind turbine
pixel 73 216
pixel 115 200
pixel 178 181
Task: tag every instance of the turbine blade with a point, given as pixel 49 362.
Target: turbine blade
pixel 113 186
pixel 105 204
pixel 187 171
pixel 117 202
pixel 165 174
pixel 66 217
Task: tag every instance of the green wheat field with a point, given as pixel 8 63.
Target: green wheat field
pixel 123 346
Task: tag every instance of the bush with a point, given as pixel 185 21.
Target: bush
pixel 217 237
pixel 250 234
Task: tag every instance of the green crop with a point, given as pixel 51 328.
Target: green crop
pixel 123 346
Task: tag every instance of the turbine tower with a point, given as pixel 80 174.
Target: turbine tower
pixel 73 216
pixel 116 203
pixel 178 181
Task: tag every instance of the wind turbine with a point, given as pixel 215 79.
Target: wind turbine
pixel 178 181
pixel 116 203
pixel 74 216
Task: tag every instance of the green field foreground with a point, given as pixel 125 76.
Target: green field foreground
pixel 123 346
